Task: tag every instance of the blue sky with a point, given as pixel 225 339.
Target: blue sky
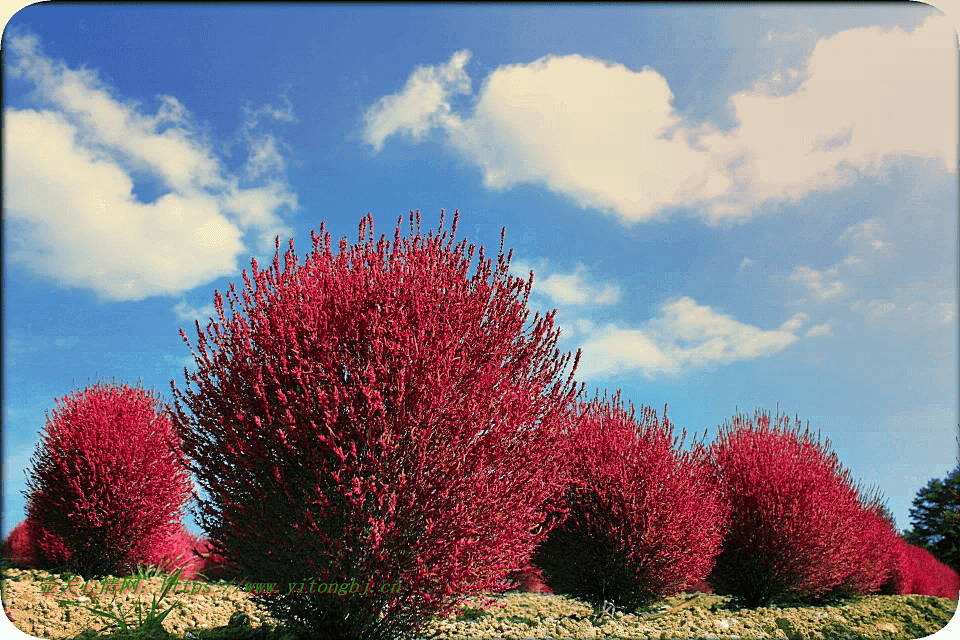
pixel 730 207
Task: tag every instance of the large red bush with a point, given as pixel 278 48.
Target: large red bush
pixel 377 416
pixel 797 517
pixel 644 520
pixel 108 482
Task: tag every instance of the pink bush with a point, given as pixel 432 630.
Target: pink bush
pixel 927 575
pixel 179 551
pixel 377 415
pixel 108 483
pixel 876 539
pixel 19 549
pixel 797 517
pixel 530 580
pixel 643 520
pixel 212 567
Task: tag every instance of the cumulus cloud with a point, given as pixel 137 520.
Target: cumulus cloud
pixel 71 193
pixel 685 335
pixel 608 136
pixel 567 288
pixel 423 104
pixel 818 330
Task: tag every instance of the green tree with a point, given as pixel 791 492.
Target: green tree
pixel 936 519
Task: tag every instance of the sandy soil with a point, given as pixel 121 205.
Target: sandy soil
pixel 516 616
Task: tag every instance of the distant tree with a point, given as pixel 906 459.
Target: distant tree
pixel 936 523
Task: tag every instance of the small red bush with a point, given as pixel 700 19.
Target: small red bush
pixel 797 517
pixel 530 580
pixel 180 551
pixel 108 483
pixel 19 549
pixel 212 567
pixel 900 580
pixel 643 520
pixel 929 576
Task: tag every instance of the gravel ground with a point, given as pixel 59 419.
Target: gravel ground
pixel 518 616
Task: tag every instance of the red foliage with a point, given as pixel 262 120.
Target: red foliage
pixel 700 586
pixel 377 416
pixel 180 551
pixel 108 483
pixel 645 520
pixel 530 580
pixel 19 549
pixel 797 517
pixel 876 540
pixel 926 575
pixel 212 563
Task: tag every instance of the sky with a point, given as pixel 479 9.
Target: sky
pixel 731 208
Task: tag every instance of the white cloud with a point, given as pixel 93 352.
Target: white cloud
pixel 566 288
pixel 423 103
pixel 573 289
pixel 746 262
pixel 822 284
pixel 882 279
pixel 186 312
pixel 818 331
pixel 71 197
pixel 684 335
pixel 609 138
pixel 795 322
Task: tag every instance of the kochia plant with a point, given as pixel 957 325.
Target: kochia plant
pixel 378 417
pixel 19 547
pixel 645 519
pixel 796 517
pixel 876 555
pixel 924 575
pixel 108 483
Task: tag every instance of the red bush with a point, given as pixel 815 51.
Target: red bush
pixel 180 551
pixel 876 540
pixel 796 519
pixel 108 482
pixel 377 416
pixel 212 567
pixel 900 579
pixel 644 519
pixel 19 549
pixel 927 575
pixel 529 579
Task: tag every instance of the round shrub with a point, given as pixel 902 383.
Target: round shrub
pixel 108 482
pixel 182 550
pixel 929 576
pixel 643 520
pixel 876 539
pixel 796 515
pixel 529 579
pixel 19 549
pixel 900 579
pixel 378 417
